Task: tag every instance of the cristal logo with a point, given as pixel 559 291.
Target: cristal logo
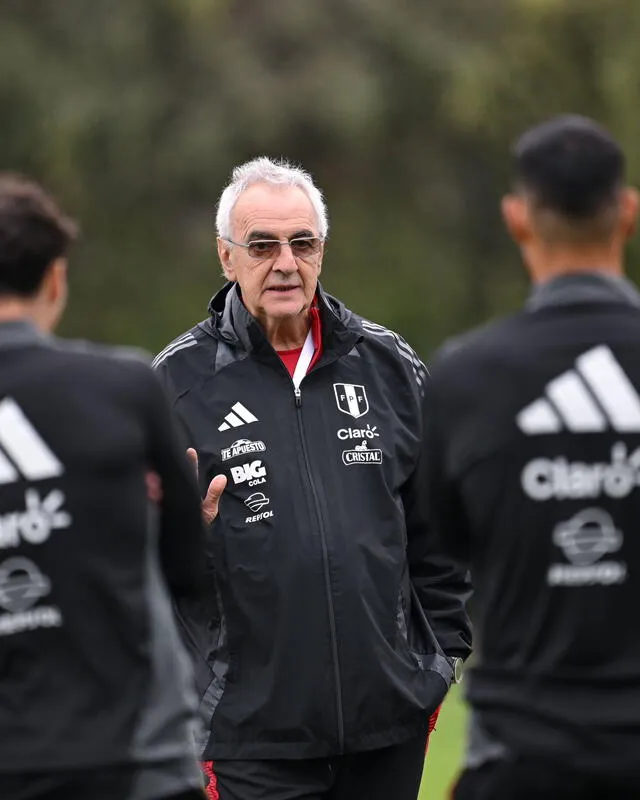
pixel 370 432
pixel 253 473
pixel 361 455
pixel 242 447
pixel 559 479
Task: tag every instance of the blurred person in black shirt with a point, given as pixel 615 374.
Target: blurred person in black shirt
pixel 533 436
pixel 96 696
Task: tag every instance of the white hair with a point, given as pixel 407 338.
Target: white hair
pixel 273 173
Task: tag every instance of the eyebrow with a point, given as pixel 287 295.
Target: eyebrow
pixel 254 235
pixel 261 235
pixel 303 234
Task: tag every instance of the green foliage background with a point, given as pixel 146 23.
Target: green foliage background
pixel 134 113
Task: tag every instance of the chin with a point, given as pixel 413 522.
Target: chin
pixel 285 307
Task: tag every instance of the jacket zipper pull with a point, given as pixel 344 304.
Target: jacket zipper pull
pixel 298 396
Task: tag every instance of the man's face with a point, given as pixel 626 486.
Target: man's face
pixel 283 284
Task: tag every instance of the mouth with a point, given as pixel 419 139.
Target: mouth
pixel 282 289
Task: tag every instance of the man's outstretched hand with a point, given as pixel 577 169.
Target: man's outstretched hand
pixel 214 492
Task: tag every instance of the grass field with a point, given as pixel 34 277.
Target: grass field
pixel 445 749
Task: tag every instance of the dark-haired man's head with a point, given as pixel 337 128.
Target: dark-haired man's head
pixel 34 239
pixel 570 208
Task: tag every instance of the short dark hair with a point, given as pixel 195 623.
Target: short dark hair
pixel 34 232
pixel 571 166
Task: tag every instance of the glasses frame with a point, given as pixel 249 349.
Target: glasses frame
pixel 280 242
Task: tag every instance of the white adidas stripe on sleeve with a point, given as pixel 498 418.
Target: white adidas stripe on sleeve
pixel 188 340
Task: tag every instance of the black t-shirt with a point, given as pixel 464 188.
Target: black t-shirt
pixel 533 436
pixel 91 667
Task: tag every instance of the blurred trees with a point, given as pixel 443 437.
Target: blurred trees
pixel 134 113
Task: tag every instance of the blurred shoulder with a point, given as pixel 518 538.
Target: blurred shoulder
pixel 472 350
pixel 81 351
pixel 103 362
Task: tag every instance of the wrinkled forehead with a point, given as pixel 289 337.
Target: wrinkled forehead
pixel 279 211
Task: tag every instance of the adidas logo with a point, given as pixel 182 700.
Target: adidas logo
pixel 597 394
pixel 23 454
pixel 239 415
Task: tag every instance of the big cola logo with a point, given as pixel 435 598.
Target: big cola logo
pixel 252 473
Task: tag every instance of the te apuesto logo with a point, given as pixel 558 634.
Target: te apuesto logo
pixel 242 447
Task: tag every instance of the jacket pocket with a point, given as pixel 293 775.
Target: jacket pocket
pixel 419 639
pixel 249 567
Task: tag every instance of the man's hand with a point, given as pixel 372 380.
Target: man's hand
pixel 214 492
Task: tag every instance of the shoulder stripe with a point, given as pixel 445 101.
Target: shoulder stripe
pixel 181 344
pixel 404 350
pixel 183 338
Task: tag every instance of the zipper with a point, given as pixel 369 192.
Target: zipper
pixel 327 579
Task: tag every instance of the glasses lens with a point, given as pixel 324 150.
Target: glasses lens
pixel 264 248
pixel 303 248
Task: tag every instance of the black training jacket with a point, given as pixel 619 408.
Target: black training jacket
pixel 533 427
pixel 328 610
pixel 92 669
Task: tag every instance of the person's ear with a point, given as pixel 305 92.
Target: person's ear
pixel 52 297
pixel 224 254
pixel 629 205
pixel 517 217
pixel 56 282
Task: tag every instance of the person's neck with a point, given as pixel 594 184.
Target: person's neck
pixel 288 333
pixel 554 262
pixel 14 310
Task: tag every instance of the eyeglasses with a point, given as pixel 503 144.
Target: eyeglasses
pixel 301 247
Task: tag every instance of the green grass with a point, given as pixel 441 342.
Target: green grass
pixel 445 749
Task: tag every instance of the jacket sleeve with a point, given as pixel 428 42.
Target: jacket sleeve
pixel 441 580
pixel 163 374
pixel 182 534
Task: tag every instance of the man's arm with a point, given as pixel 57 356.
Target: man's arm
pixel 217 485
pixel 181 524
pixel 440 579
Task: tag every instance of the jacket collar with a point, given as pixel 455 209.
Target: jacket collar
pixel 229 320
pixel 20 332
pixel 583 287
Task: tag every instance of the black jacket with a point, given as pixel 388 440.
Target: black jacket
pixel 328 608
pixel 533 427
pixel 92 670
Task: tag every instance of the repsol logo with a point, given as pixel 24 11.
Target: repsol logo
pixel 559 479
pixel 258 517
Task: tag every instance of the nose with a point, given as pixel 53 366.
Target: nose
pixel 285 262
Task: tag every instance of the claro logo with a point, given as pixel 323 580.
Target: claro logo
pixel 560 479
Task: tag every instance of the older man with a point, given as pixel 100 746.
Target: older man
pixel 332 628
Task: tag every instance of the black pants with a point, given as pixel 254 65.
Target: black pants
pixel 105 784
pixel 531 780
pixel 392 773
